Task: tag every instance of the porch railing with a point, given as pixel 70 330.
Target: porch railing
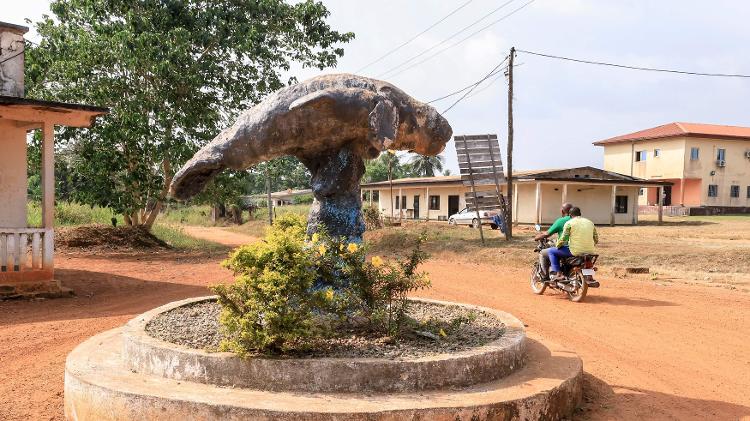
pixel 18 244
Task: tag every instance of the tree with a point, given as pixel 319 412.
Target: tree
pixel 377 169
pixel 173 73
pixel 426 166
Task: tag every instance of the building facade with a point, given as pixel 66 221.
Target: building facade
pixel 604 197
pixel 708 165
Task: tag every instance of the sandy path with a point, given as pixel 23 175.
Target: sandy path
pixel 218 235
pixel 651 352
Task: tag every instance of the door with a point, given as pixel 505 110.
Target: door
pixel 452 205
pixel 416 206
pixel 667 195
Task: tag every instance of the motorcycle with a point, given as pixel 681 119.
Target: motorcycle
pixel 578 273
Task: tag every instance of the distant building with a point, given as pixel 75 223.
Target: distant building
pixel 708 165
pixel 279 198
pixel 605 197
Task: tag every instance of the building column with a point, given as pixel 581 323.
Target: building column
pixel 564 193
pixel 613 204
pixel 427 203
pixel 48 193
pixel 400 206
pixel 515 204
pixel 370 197
pixel 682 191
pixel 660 201
pixel 538 206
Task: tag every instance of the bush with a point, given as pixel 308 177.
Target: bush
pixel 290 290
pixel 372 218
pixel 304 199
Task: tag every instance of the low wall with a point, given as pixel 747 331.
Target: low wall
pixel 694 211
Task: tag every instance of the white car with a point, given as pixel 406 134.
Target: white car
pixel 469 217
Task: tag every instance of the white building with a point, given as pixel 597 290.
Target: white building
pixel 604 197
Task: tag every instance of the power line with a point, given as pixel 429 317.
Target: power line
pixel 624 66
pixel 490 74
pixel 447 39
pixel 12 57
pixel 413 38
pixel 464 39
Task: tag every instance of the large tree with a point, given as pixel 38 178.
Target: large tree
pixel 173 73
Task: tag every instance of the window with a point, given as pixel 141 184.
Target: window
pixel 713 190
pixel 621 204
pixel 434 202
pixel 721 154
pixel 640 156
pixel 376 195
pixel 640 192
pixel 734 191
pixel 695 154
pixel 403 202
pixel 657 153
pixel 397 202
pixel 748 192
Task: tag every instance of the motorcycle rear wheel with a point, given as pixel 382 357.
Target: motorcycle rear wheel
pixel 537 285
pixel 580 292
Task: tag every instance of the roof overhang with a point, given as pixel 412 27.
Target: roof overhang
pixel 34 112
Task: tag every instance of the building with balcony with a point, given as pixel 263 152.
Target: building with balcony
pixel 707 164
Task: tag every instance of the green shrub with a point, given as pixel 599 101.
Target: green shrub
pixel 304 199
pixel 291 290
pixel 372 217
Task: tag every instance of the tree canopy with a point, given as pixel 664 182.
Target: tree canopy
pixel 173 72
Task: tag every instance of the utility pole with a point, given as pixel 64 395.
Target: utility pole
pixel 509 208
pixel 268 193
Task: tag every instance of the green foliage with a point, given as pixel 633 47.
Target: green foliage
pixel 173 73
pixel 377 169
pixel 372 217
pixel 304 199
pixel 290 290
pixel 72 214
pixel 426 166
pixel 271 306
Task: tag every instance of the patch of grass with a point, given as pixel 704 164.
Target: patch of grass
pixel 258 225
pixel 176 237
pixel 72 214
pixel 199 215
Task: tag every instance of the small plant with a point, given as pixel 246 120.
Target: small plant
pixel 372 217
pixel 291 289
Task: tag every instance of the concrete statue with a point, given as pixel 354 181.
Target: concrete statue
pixel 331 123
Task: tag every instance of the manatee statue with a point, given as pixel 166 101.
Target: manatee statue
pixel 331 124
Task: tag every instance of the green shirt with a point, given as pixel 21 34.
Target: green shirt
pixel 557 227
pixel 581 236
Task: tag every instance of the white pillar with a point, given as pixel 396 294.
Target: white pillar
pixel 612 206
pixel 565 193
pixel 660 201
pixel 538 207
pixel 400 206
pixel 515 203
pixel 48 193
pixel 370 197
pixel 427 203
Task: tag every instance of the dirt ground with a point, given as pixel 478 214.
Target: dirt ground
pixel 651 350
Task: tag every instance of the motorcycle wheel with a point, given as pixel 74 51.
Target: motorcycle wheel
pixel 580 292
pixel 537 285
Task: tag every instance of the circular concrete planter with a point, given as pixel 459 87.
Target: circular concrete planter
pixel 145 354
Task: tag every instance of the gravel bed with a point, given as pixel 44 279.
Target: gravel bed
pixel 197 326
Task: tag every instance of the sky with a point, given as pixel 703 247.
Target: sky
pixel 560 108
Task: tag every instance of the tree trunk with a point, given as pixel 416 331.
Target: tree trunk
pixel 148 221
pixel 126 218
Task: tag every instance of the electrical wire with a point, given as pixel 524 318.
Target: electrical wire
pixel 624 66
pixel 463 39
pixel 489 75
pixel 492 73
pixel 12 57
pixel 413 38
pixel 446 39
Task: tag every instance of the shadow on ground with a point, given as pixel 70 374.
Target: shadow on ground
pixel 602 401
pixel 97 294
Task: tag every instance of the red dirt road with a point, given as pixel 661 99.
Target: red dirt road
pixel 650 352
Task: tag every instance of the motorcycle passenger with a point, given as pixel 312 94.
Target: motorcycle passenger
pixel 581 237
pixel 556 228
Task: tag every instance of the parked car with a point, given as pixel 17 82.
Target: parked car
pixel 469 217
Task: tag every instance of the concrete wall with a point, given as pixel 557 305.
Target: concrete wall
pixel 736 172
pixel 12 70
pixel 384 201
pixel 13 175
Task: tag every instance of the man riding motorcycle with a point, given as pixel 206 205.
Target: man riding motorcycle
pixel 556 228
pixel 579 237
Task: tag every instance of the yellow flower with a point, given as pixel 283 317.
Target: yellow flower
pixel 391 151
pixel 329 294
pixel 377 261
pixel 352 247
pixel 341 247
pixel 322 249
pixel 315 237
pixel 442 333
